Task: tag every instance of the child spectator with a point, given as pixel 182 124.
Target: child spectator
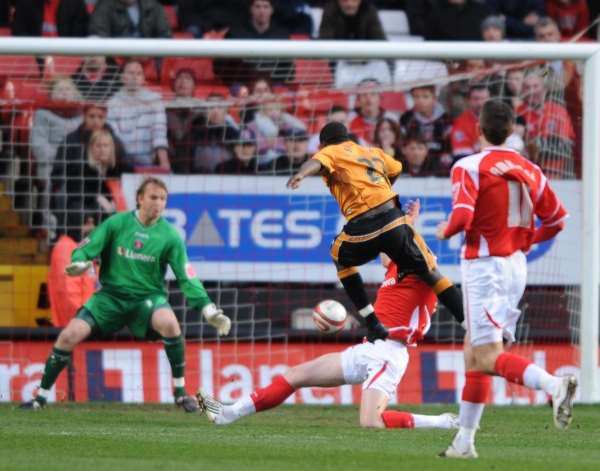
pixel 388 137
pixel 138 118
pixel 244 160
pixel 416 161
pixel 269 122
pixel 428 119
pixel 296 153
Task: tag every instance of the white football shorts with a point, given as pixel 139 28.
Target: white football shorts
pixel 378 365
pixel 492 288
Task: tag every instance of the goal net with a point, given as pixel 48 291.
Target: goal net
pixel 225 128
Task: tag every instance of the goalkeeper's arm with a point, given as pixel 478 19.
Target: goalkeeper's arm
pixel 194 290
pixel 89 248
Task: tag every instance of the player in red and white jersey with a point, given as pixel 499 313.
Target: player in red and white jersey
pixel 404 306
pixel 395 299
pixel 497 194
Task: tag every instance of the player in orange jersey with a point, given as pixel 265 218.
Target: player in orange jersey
pixel 360 179
pixel 405 306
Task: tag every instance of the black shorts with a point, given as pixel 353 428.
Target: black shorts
pixel 391 233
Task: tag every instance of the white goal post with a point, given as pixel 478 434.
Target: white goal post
pixel 589 53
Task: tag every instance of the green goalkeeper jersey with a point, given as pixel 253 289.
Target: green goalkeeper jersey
pixel 134 258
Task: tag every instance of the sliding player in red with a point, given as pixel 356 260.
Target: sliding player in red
pixel 496 194
pixel 404 306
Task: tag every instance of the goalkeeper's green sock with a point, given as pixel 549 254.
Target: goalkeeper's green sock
pixel 175 350
pixel 55 363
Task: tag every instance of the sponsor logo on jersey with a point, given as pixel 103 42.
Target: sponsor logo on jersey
pixel 189 271
pixel 142 235
pixel 138 244
pixel 127 253
pixel 83 243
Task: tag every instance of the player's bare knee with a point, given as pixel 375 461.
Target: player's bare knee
pixel 68 338
pixel 371 421
pixel 170 329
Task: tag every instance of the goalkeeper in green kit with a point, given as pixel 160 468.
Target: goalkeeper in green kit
pixel 134 248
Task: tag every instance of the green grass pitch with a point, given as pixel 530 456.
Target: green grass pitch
pixel 127 437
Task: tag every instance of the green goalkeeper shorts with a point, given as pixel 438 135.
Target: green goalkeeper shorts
pixel 111 313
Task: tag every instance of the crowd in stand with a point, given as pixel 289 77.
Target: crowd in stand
pixel 246 117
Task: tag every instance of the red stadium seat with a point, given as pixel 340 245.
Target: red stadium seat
pixel 61 65
pixel 310 101
pixel 19 66
pixel 394 101
pixel 202 67
pixel 313 72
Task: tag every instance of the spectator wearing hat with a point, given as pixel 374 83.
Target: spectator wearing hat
pixel 493 29
pixel 182 111
pixel 296 153
pixel 244 160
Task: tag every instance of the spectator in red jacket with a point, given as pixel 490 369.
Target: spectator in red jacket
pixel 464 138
pixel 68 293
pixel 368 110
pixel 572 16
pixel 549 130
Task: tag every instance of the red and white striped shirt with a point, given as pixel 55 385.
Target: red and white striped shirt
pixel 405 307
pixel 496 194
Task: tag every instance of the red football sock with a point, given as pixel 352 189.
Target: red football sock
pixel 511 367
pixel 397 419
pixel 272 395
pixel 477 387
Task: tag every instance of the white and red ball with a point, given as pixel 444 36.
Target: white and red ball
pixel 329 316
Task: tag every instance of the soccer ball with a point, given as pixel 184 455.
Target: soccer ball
pixel 329 316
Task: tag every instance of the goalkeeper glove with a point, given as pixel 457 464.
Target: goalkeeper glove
pixel 78 268
pixel 375 329
pixel 215 317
